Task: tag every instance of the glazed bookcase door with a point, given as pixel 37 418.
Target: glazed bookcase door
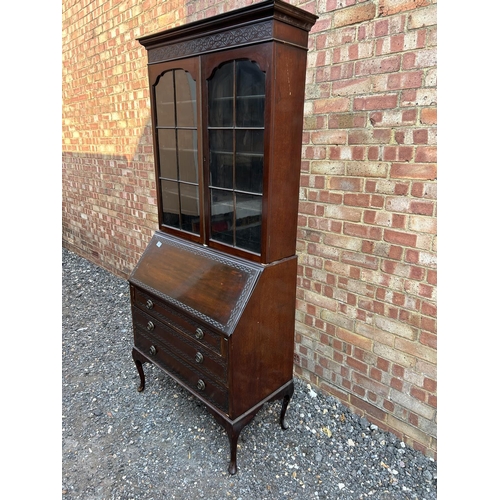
pixel 175 120
pixel 236 86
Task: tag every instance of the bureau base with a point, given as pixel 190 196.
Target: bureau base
pixel 233 427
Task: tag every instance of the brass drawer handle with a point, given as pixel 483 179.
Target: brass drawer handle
pixel 150 326
pixel 199 333
pixel 149 304
pixel 152 350
pixel 199 357
pixel 200 385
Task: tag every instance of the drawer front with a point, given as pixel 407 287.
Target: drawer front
pixel 203 360
pixel 184 324
pixel 195 379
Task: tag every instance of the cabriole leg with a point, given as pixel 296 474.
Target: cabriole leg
pixel 139 360
pixel 233 435
pixel 233 429
pixel 286 400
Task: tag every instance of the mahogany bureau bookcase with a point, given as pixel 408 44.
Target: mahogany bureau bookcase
pixel 213 295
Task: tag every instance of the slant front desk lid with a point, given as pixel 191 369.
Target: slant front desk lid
pixel 197 280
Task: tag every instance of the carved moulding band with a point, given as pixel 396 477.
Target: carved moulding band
pixel 242 35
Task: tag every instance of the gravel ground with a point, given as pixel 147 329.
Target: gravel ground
pixel 118 443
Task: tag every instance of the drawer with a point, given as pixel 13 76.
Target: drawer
pixel 204 360
pixel 193 378
pixel 155 307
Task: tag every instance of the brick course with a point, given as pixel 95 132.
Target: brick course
pixel 366 287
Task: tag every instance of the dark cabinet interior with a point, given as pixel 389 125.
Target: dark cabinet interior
pixel 213 295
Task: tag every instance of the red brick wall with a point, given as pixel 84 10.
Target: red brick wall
pixel 366 308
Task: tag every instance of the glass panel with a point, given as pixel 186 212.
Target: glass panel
pixel 249 160
pixel 221 158
pixel 187 146
pixel 250 94
pixel 190 208
pixel 220 97
pixel 185 93
pixel 167 153
pixel 250 111
pixel 221 141
pixel 164 93
pixel 248 222
pixel 237 155
pixel 170 203
pixel 250 80
pixel 222 218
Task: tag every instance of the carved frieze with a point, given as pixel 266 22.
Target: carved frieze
pixel 235 37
